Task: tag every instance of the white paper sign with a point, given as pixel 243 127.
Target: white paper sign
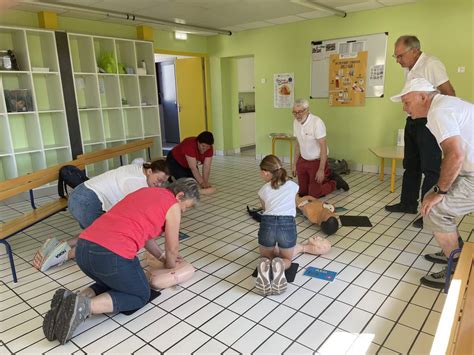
pixel 283 86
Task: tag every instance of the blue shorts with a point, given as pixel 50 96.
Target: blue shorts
pixel 84 205
pixel 277 230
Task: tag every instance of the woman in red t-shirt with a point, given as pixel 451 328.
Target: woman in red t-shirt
pixel 183 159
pixel 107 253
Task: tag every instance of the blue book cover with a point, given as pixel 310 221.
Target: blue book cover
pixel 320 273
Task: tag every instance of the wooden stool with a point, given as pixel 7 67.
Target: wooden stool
pixel 394 153
pixel 289 139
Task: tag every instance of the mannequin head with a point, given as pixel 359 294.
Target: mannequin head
pixel 330 226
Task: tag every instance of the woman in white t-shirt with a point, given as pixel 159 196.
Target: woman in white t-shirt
pixel 277 227
pixel 94 197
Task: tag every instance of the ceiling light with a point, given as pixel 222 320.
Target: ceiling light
pixel 183 36
pixel 317 6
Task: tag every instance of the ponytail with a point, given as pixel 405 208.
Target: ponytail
pixel 273 165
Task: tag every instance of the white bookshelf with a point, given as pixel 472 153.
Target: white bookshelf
pixel 115 107
pixel 37 136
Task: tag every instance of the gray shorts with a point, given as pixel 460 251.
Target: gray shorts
pixel 458 202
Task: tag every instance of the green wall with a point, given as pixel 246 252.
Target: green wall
pixel 445 29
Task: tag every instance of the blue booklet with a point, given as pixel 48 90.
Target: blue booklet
pixel 320 273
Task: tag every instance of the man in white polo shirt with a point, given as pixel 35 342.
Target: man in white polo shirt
pixel 311 153
pixel 451 121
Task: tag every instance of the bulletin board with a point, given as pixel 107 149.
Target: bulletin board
pixel 376 47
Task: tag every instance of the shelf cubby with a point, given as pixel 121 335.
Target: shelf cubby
pixel 87 91
pixel 138 154
pixel 148 95
pixel 6 147
pixel 126 54
pixel 15 39
pixel 129 91
pixel 42 50
pixel 156 149
pixel 82 53
pixel 92 130
pixel 99 167
pixel 54 130
pixel 132 123
pixel 109 91
pixel 144 51
pixel 7 167
pixel 151 121
pixel 25 132
pixel 29 162
pixel 113 125
pixel 115 162
pixel 104 46
pixel 57 156
pixel 48 92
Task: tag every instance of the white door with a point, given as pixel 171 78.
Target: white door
pixel 247 129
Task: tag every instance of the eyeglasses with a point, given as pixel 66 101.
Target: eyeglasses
pixel 400 56
pixel 299 112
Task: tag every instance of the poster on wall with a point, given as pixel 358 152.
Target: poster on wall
pixel 347 79
pixel 283 85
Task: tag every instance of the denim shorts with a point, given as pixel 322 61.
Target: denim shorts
pixel 277 230
pixel 84 205
pixel 123 279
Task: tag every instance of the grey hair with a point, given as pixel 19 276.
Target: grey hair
pixel 409 42
pixel 301 103
pixel 188 186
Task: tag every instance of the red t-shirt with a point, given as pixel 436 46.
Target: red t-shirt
pixel 139 217
pixel 189 147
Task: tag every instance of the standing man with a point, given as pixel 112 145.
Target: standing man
pixel 451 121
pixel 311 154
pixel 421 154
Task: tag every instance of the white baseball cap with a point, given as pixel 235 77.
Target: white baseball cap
pixel 417 84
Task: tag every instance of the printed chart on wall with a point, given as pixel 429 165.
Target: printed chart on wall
pixel 283 86
pixel 347 79
pixel 322 52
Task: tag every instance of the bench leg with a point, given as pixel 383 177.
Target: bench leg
pixel 392 178
pixel 10 256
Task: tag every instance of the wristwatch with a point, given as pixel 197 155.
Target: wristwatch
pixel 439 191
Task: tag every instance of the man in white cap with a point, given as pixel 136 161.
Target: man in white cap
pixel 451 121
pixel 421 152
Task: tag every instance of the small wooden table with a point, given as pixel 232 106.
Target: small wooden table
pixel 289 139
pixel 394 153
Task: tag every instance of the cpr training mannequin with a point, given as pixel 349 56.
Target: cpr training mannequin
pixel 160 277
pixel 318 212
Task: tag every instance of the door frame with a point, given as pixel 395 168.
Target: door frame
pixel 207 84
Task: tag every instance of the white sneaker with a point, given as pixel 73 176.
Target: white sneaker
pixel 45 249
pixel 57 256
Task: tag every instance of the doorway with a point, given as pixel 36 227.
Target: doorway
pixel 182 97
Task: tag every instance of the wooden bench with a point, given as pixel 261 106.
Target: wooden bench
pixel 118 151
pixel 27 183
pixel 455 332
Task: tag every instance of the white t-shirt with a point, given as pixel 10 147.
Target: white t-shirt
pixel 112 186
pixel 429 68
pixel 281 201
pixel 450 116
pixel 308 134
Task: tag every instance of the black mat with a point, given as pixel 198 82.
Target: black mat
pixel 153 295
pixel 355 221
pixel 183 236
pixel 290 273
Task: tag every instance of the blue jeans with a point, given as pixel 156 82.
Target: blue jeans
pixel 123 279
pixel 277 230
pixel 84 205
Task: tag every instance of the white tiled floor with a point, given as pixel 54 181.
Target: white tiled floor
pixel 376 303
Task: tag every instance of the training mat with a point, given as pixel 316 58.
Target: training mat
pixel 290 273
pixel 183 236
pixel 355 221
pixel 153 295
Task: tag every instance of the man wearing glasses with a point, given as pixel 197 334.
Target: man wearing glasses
pixel 421 153
pixel 311 153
